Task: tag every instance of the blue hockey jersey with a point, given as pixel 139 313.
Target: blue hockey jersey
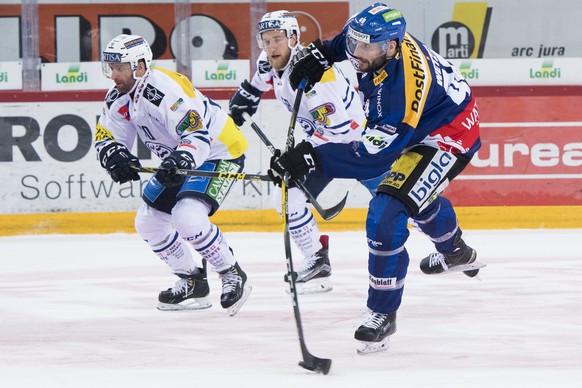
pixel 417 98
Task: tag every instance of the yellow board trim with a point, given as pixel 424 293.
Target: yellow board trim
pixel 486 217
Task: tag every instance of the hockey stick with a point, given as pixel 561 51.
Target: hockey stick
pixel 310 362
pixel 326 214
pixel 211 174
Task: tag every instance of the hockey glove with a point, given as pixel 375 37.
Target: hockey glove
pixel 297 162
pixel 310 62
pixel 246 99
pixel 116 159
pixel 167 172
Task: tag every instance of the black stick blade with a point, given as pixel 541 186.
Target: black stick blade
pixel 317 365
pixel 328 214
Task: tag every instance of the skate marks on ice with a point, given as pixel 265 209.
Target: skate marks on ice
pixel 81 311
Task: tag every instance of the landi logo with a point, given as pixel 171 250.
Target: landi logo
pixel 4 76
pixel 222 73
pixel 546 71
pixel 73 76
pixel 465 35
pixel 467 72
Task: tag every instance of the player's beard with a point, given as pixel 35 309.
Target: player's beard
pixel 281 62
pixel 372 66
pixel 125 87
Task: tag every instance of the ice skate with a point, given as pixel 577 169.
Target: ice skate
pixel 235 289
pixel 313 276
pixel 189 293
pixel 374 334
pixel 463 259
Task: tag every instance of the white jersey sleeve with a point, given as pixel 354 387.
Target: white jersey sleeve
pixel 113 124
pixel 331 111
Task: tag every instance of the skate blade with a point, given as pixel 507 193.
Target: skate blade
pixel 366 347
pixel 468 267
pixel 188 304
pixel 232 310
pixel 316 286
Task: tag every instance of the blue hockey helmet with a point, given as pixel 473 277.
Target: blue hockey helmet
pixel 376 24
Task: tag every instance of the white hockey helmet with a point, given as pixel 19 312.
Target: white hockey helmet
pixel 279 20
pixel 126 48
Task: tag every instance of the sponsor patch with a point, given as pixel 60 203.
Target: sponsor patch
pixel 401 169
pixel 177 104
pixel 382 283
pixel 190 122
pixel 432 176
pixel 376 143
pixel 153 95
pixel 381 77
pixel 219 187
pixel 358 35
pixel 321 113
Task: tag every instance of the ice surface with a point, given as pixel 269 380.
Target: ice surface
pixel 80 311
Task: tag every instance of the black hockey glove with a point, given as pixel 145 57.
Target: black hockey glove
pixel 116 159
pixel 297 162
pixel 310 62
pixel 167 175
pixel 246 99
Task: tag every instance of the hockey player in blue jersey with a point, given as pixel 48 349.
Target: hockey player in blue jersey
pixel 423 124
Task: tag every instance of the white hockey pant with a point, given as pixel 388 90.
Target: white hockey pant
pixel 303 228
pixel 189 222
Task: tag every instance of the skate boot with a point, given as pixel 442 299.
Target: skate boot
pixel 235 289
pixel 464 259
pixel 313 276
pixel 374 334
pixel 189 293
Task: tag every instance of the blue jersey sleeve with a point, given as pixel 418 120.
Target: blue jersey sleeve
pixel 338 47
pixel 357 160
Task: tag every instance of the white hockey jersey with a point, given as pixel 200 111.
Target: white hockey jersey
pixel 330 112
pixel 168 113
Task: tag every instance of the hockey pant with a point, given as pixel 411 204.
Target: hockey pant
pixel 303 227
pixel 388 214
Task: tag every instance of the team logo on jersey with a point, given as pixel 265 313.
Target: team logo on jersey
pixel 124 111
pixel 321 113
pixel 153 95
pixel 161 150
pixel 190 122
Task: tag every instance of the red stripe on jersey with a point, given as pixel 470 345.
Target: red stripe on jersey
pixel 460 134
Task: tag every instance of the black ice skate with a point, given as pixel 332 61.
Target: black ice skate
pixel 464 259
pixel 189 293
pixel 314 274
pixel 235 289
pixel 374 334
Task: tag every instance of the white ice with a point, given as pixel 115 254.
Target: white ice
pixel 80 311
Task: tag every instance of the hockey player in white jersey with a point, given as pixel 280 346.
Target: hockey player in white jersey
pixel 330 112
pixel 186 130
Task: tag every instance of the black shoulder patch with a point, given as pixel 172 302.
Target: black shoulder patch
pixel 264 67
pixel 153 95
pixel 113 95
